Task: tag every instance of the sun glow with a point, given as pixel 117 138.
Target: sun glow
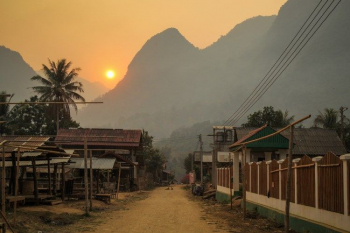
pixel 110 74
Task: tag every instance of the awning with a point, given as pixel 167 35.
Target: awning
pixel 32 154
pixel 97 163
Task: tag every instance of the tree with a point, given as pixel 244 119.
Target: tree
pixel 4 111
pixel 269 116
pixel 188 163
pixel 34 119
pixel 154 160
pixel 59 85
pixel 328 119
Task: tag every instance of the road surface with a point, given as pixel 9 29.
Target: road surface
pixel 163 211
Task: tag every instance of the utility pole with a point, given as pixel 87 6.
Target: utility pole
pixel 201 154
pixel 342 110
pixel 289 179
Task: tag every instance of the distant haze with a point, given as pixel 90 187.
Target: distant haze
pixel 102 35
pixel 170 83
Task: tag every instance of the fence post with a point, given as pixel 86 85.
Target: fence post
pixel 236 172
pixel 345 159
pixel 316 160
pixel 280 178
pixel 258 163
pixel 250 176
pixel 295 161
pixel 268 175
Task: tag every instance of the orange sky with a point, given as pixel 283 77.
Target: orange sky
pixel 106 34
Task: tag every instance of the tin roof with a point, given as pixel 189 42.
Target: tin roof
pixel 316 141
pixel 99 137
pixel 97 163
pixel 277 141
pixel 308 141
pixel 31 141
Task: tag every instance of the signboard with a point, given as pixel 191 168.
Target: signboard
pixel 225 157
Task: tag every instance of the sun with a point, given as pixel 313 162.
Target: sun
pixel 110 74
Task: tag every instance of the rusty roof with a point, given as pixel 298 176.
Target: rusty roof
pixel 99 137
pixel 31 141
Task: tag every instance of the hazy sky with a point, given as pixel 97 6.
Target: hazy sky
pixel 106 34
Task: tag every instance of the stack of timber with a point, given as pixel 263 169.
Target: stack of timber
pixel 208 194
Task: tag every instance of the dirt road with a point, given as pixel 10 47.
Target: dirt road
pixel 163 211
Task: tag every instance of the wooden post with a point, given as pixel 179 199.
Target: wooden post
pixel 3 181
pixel 120 169
pixel 98 181
pixel 108 181
pixel 244 182
pixel 229 176
pixel 289 174
pixel 63 192
pixel 91 180
pixel 86 183
pixel 16 186
pixel 36 195
pixel 49 175
pixel 54 180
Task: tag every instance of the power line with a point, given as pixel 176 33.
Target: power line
pixel 264 83
pixel 228 120
pixel 275 78
pixel 247 105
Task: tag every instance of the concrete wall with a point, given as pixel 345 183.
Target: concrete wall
pixel 304 218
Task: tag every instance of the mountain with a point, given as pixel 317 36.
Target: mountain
pixel 170 83
pixel 15 76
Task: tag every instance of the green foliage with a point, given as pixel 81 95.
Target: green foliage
pixel 35 119
pixel 269 116
pixel 188 163
pixel 328 119
pixel 4 110
pixel 154 159
pixel 59 85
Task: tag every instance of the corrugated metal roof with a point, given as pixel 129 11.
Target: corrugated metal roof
pixel 316 141
pixel 31 154
pixel 309 141
pixel 100 137
pixel 97 163
pixel 37 162
pixel 32 141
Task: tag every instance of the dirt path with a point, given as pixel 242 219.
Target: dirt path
pixel 163 211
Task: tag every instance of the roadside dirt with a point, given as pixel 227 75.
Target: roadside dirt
pixel 157 211
pixel 229 220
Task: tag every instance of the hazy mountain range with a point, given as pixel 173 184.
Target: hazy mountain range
pixel 15 76
pixel 170 83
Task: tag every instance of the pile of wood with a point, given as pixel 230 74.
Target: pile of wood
pixel 208 194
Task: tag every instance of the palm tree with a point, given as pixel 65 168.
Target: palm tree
pixel 328 119
pixel 287 120
pixel 59 85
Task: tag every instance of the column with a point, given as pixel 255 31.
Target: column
pixel 258 163
pixel 316 160
pixel 236 172
pixel 267 156
pixel 279 178
pixel 345 158
pixel 248 155
pixel 283 153
pixel 250 177
pixel 268 175
pixel 295 161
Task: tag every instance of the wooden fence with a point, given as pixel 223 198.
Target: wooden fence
pixel 224 176
pixel 317 182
